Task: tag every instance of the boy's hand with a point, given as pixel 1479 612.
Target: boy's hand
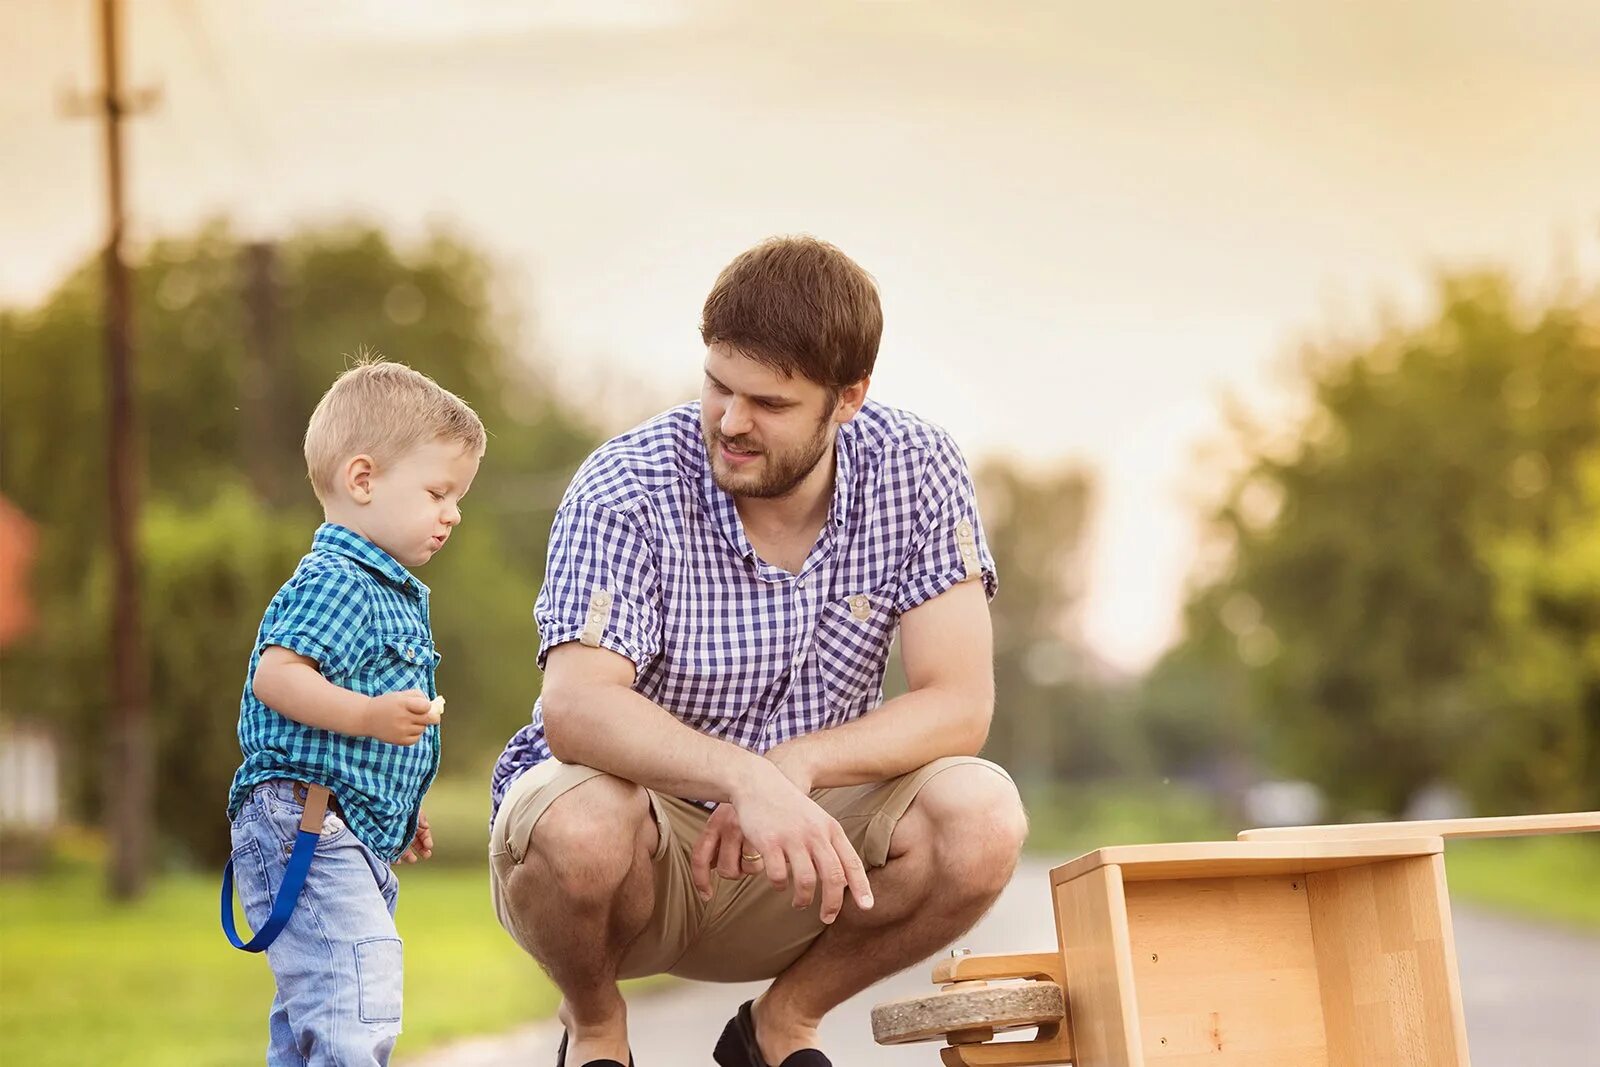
pixel 398 718
pixel 421 846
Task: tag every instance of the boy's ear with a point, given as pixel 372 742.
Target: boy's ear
pixel 358 478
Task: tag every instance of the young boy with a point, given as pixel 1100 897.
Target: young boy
pixel 338 695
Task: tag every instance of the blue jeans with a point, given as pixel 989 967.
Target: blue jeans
pixel 337 963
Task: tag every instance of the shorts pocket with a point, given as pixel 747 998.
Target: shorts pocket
pixel 379 979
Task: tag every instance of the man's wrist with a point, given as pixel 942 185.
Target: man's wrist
pixel 793 758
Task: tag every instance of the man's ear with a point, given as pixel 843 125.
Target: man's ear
pixel 851 397
pixel 358 472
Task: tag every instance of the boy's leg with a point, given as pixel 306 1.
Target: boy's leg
pixel 338 961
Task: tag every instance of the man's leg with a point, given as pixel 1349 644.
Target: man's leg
pixel 951 854
pixel 578 896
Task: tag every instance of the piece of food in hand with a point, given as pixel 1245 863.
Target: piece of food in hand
pixel 436 709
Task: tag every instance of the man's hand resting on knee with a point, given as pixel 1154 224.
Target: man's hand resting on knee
pixel 772 827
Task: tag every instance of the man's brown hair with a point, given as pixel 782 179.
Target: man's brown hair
pixel 799 306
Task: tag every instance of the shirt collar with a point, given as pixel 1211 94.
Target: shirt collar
pixel 343 541
pixel 726 514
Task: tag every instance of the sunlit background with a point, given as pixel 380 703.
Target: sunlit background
pixel 1272 331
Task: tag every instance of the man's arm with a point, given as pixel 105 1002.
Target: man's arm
pixel 947 646
pixel 593 717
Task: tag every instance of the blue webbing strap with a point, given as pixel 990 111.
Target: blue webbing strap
pixel 294 877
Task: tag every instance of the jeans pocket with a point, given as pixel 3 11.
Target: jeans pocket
pixel 379 979
pixel 250 881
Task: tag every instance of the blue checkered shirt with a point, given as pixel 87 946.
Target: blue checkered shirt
pixel 648 559
pixel 363 618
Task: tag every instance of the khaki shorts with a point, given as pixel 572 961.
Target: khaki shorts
pixel 747 931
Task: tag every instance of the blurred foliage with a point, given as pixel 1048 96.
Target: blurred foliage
pixel 1540 674
pixel 1411 596
pixel 1055 716
pixel 235 347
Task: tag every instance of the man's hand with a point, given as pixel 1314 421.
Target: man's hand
pixel 421 846
pixel 799 845
pixel 398 718
pixel 721 847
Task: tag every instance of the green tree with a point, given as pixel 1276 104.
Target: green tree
pixel 1365 570
pixel 1536 739
pixel 224 394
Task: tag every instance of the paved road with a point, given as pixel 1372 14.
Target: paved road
pixel 1532 997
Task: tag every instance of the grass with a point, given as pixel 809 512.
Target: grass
pixel 85 981
pixel 1550 879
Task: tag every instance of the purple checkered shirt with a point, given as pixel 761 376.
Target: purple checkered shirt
pixel 648 559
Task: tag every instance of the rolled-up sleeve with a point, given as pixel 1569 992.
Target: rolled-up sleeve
pixel 323 614
pixel 601 585
pixel 948 545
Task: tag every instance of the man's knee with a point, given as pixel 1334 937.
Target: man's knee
pixel 585 843
pixel 972 825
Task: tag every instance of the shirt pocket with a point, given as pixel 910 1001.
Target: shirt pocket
pixel 852 648
pixel 404 661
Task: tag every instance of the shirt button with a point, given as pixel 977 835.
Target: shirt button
pixel 411 653
pixel 799 661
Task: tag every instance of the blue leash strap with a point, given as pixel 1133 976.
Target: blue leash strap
pixel 294 877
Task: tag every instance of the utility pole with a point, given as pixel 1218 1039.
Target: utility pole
pixel 129 793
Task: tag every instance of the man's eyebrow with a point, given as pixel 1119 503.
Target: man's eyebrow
pixel 765 399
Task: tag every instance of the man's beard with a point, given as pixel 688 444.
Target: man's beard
pixel 784 470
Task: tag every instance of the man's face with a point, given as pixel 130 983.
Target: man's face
pixel 764 432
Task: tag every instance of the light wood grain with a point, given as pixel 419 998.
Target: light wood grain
pixel 1386 958
pixel 1053 1042
pixel 1228 859
pixel 1226 972
pixel 1092 924
pixel 1497 826
pixel 997 965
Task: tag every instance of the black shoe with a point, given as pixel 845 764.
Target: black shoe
pixel 737 1046
pixel 561 1057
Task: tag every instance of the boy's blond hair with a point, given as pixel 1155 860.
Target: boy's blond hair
pixel 382 410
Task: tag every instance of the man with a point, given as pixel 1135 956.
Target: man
pixel 710 770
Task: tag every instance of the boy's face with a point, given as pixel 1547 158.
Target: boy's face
pixel 409 507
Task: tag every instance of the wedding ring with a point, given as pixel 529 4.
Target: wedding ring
pixel 748 858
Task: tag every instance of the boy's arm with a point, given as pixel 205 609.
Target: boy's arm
pixel 292 685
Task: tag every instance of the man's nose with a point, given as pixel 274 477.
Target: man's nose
pixel 735 419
